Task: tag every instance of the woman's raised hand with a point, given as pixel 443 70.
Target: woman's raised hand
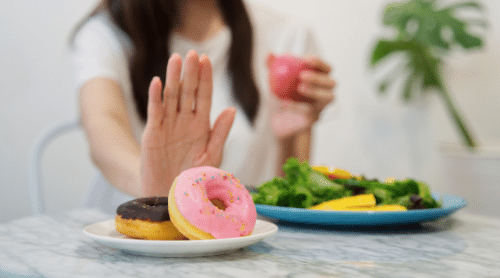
pixel 178 135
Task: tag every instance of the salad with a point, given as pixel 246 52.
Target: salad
pixel 305 186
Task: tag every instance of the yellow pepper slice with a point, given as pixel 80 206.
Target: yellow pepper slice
pixel 378 208
pixel 325 170
pixel 337 172
pixel 363 200
pixel 341 174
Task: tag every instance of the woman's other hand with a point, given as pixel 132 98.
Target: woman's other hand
pixel 317 85
pixel 291 117
pixel 178 135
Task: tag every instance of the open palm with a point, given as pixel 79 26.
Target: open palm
pixel 178 134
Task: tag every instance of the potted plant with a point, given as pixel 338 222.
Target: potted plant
pixel 427 31
pixel 425 34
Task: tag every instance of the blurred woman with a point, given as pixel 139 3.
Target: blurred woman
pixel 166 85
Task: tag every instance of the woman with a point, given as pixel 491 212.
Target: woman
pixel 143 131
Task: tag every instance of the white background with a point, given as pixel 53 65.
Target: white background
pixel 363 132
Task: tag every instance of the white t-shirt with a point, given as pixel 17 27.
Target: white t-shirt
pixel 102 50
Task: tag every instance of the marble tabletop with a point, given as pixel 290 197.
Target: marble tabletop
pixel 462 245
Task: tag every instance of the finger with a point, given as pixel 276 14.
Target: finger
pixel 318 94
pixel 317 64
pixel 189 82
pixel 270 58
pixel 220 131
pixel 155 107
pixel 204 94
pixel 317 79
pixel 172 85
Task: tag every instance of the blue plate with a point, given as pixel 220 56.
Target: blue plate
pixel 366 218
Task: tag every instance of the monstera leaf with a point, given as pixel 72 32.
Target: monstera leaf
pixel 430 22
pixel 425 33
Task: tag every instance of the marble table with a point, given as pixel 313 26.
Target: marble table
pixel 462 245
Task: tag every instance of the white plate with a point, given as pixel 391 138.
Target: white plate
pixel 105 233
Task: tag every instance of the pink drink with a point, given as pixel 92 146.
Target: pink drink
pixel 284 71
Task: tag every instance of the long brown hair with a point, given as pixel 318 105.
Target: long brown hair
pixel 149 25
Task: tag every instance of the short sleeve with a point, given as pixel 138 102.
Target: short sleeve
pixel 97 51
pixel 306 42
pixel 281 33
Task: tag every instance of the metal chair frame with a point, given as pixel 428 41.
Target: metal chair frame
pixel 35 178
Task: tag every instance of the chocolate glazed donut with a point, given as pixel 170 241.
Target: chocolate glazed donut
pixel 146 218
pixel 151 208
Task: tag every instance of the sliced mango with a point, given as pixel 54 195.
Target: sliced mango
pixel 325 170
pixel 378 208
pixel 363 200
pixel 341 174
pixel 336 172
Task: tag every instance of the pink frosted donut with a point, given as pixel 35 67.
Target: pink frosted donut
pixel 207 203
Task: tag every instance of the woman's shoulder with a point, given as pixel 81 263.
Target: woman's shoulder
pixel 95 25
pixel 100 29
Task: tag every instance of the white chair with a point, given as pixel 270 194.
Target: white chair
pixel 35 177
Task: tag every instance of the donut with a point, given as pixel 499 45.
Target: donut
pixel 208 203
pixel 146 218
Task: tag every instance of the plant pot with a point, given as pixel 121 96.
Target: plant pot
pixel 474 175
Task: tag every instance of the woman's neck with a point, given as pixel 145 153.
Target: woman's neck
pixel 199 19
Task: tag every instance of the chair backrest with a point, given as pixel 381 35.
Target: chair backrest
pixel 35 177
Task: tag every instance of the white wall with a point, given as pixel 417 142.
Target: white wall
pixel 363 132
pixel 36 90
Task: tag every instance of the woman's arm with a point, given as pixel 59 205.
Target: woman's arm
pixel 177 135
pixel 113 148
pixel 298 146
pixel 318 86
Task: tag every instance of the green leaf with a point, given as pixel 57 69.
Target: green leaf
pixel 425 193
pixel 382 196
pixel 466 40
pixel 471 4
pixel 404 201
pixel 430 21
pixel 385 48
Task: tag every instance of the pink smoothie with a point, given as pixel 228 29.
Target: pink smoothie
pixel 284 72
